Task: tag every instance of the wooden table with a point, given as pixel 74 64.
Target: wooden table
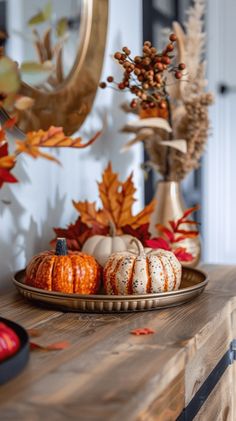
pixel 107 374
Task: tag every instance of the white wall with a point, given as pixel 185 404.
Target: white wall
pixel 43 197
pixel 219 197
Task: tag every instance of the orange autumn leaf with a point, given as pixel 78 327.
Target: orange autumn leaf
pixel 57 346
pixel 108 192
pixel 53 137
pixel 89 214
pixel 117 200
pixel 143 217
pixel 126 201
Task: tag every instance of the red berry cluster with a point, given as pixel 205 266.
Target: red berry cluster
pixel 145 76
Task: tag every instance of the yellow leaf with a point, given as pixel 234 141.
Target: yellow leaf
pixel 9 76
pixel 61 27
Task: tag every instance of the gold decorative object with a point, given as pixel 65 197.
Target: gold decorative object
pixel 69 103
pixel 170 206
pixel 193 284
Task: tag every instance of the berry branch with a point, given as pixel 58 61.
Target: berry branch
pixel 145 76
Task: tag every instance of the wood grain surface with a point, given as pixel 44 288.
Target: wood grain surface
pixel 108 374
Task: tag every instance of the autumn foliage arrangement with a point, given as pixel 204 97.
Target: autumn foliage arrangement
pixel 169 97
pixel 117 200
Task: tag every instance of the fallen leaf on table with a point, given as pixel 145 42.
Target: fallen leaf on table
pixel 34 333
pixel 142 331
pixel 57 346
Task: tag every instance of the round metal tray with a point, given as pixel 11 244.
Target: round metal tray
pixel 13 365
pixel 193 283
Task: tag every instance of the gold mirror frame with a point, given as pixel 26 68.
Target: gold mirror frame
pixel 69 104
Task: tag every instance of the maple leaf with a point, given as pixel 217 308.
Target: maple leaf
pixel 117 200
pixel 141 232
pixel 126 201
pixel 109 192
pixel 91 216
pixel 76 234
pixel 53 137
pixel 7 162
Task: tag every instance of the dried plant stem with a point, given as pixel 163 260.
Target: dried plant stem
pixel 168 149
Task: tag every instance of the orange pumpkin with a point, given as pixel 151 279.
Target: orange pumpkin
pixel 63 271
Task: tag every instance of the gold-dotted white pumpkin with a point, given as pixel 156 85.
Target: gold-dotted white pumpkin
pixel 101 246
pixel 143 273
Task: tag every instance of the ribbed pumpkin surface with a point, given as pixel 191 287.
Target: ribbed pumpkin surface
pixel 157 271
pixel 74 273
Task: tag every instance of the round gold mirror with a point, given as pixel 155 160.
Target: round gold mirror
pixel 59 47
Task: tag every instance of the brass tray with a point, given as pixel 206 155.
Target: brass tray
pixel 193 283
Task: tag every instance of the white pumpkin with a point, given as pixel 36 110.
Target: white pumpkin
pixel 101 246
pixel 146 272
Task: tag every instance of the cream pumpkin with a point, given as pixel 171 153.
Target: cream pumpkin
pixel 101 246
pixel 146 272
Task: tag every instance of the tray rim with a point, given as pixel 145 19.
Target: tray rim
pixel 103 297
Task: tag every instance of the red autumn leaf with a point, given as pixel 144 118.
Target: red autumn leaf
pixel 57 346
pixel 189 221
pixel 182 254
pixel 180 238
pixel 173 225
pixel 168 233
pixel 188 234
pixel 2 135
pixel 142 331
pixel 76 234
pixel 10 123
pixel 7 162
pixel 189 211
pixel 141 232
pixel 158 243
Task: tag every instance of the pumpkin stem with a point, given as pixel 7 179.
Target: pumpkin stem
pixel 139 246
pixel 112 229
pixel 61 247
